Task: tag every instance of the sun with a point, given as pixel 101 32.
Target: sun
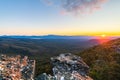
pixel 103 35
pixel 103 38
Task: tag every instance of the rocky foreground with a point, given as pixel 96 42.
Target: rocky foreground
pixel 67 67
pixel 16 68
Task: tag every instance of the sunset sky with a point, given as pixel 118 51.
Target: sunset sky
pixel 36 17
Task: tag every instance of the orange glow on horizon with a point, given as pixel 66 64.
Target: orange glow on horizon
pixel 103 38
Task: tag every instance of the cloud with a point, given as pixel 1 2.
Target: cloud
pixel 78 6
pixel 47 2
pixel 82 6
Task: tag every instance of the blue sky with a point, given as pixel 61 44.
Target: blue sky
pixel 34 17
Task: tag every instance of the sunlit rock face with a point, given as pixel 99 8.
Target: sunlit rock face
pixel 67 67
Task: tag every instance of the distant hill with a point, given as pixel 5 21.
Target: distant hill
pixel 53 37
pixel 43 47
pixel 104 60
pixel 48 37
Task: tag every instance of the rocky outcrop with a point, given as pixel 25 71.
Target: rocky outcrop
pixel 67 67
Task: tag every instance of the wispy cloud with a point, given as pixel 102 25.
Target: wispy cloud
pixel 82 6
pixel 78 6
pixel 47 2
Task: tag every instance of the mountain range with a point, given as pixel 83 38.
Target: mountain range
pixel 52 37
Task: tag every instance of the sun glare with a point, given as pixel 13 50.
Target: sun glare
pixel 103 35
pixel 103 38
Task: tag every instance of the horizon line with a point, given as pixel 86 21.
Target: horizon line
pixel 52 35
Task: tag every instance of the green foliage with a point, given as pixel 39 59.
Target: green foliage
pixel 104 60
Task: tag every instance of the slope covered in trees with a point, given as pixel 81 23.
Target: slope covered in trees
pixel 104 60
pixel 43 47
